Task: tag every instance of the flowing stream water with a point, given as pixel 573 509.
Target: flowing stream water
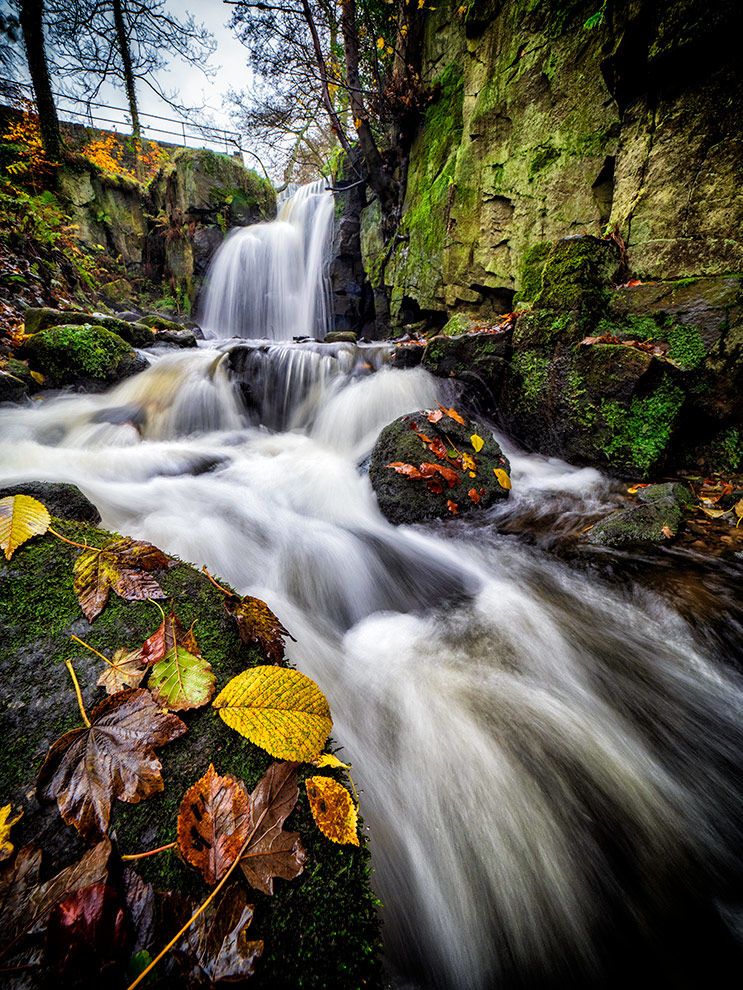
pixel 549 752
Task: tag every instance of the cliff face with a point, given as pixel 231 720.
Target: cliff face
pixel 558 117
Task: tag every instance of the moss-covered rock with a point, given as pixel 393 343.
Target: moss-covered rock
pixel 160 323
pixel 405 500
pixel 136 334
pixel 577 274
pixel 12 388
pixel 656 521
pixel 62 500
pixel 84 356
pixel 321 929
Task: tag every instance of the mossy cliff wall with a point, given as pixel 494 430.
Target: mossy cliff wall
pixel 564 117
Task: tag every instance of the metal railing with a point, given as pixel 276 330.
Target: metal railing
pixel 153 127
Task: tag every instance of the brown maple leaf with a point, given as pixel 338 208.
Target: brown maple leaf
pixel 272 852
pixel 122 564
pixel 219 940
pixel 256 623
pixel 170 633
pixel 213 824
pixel 124 671
pixel 113 757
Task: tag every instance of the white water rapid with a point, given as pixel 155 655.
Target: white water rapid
pixel 550 760
pixel 284 266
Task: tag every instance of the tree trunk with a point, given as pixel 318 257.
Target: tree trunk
pixel 126 62
pixel 378 176
pixel 334 121
pixel 31 18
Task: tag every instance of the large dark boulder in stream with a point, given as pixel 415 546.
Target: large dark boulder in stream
pixel 134 333
pixel 320 929
pixel 656 520
pixel 439 472
pixel 88 358
pixel 63 500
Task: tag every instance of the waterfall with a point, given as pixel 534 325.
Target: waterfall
pixel 550 760
pixel 270 280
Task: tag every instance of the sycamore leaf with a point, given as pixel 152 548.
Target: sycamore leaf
pixel 328 760
pixel 21 517
pixel 24 902
pixel 182 680
pixel 213 824
pixel 256 623
pixel 6 824
pixel 114 757
pixel 477 443
pixel 503 480
pixel 281 710
pixel 333 809
pixel 86 930
pixel 124 671
pixel 121 564
pixel 169 633
pixel 218 938
pixel 272 852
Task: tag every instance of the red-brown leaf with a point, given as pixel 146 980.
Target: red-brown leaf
pixel 86 930
pixel 256 623
pixel 213 824
pixel 409 470
pixel 87 768
pixel 428 470
pixel 219 941
pixel 474 496
pixel 452 507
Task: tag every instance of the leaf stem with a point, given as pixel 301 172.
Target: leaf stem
pixel 82 546
pixel 80 704
pixel 215 583
pixel 205 904
pixel 92 650
pixel 150 852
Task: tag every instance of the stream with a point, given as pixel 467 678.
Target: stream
pixel 548 741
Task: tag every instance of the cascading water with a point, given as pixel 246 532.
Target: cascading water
pixel 270 280
pixel 551 762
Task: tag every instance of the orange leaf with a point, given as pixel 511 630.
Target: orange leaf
pixel 435 416
pixel 213 824
pixel 409 470
pixel 473 495
pixel 452 507
pixel 452 414
pixel 256 623
pixel 428 470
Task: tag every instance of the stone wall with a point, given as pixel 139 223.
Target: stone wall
pixel 556 118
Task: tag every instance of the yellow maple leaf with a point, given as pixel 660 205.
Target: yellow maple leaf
pixel 333 810
pixel 21 517
pixel 6 823
pixel 468 463
pixel 477 443
pixel 280 710
pixel 503 480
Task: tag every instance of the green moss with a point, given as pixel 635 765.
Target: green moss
pixel 90 350
pixel 687 349
pixel 726 450
pixel 639 436
pixel 577 274
pixel 530 275
pixel 542 330
pixel 321 929
pixel 546 154
pixel 534 369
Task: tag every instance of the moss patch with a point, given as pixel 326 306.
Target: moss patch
pixel 68 353
pixel 639 436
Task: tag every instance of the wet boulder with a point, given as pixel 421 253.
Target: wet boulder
pixel 63 500
pixel 440 468
pixel 656 520
pixel 135 333
pixel 319 929
pixel 88 358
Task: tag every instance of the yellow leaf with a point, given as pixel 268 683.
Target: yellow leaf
pixel 21 517
pixel 6 846
pixel 380 43
pixel 713 513
pixel 477 443
pixel 738 510
pixel 333 809
pixel 280 710
pixel 468 463
pixel 328 760
pixel 37 377
pixel 503 480
pixel 357 122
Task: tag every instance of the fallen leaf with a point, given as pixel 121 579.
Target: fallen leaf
pixel 667 532
pixel 503 480
pixel 328 760
pixel 122 564
pixel 124 671
pixel 218 938
pixel 452 507
pixel 278 709
pixel 140 905
pixel 21 517
pixel 169 633
pixel 738 510
pixel 86 930
pixel 272 852
pixel 452 414
pixel 435 486
pixel 474 495
pixel 333 810
pixel 409 470
pixel 428 470
pixel 6 824
pixel 713 513
pixel 477 443
pixel 182 679
pixel 87 768
pixel 468 463
pixel 256 623
pixel 434 415
pixel 213 824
